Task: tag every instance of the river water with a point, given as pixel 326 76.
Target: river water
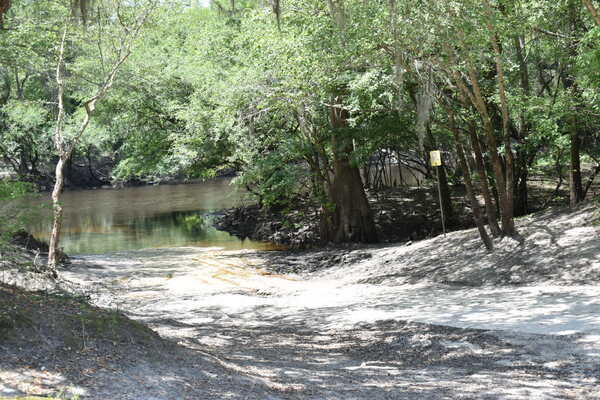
pixel 106 220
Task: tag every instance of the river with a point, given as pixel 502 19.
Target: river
pixel 107 220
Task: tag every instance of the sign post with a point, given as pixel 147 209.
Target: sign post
pixel 436 161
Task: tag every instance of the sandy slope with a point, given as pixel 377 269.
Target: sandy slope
pixel 438 319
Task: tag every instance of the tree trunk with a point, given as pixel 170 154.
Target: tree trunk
pixel 471 196
pixel 508 224
pixel 575 185
pixel 524 158
pixel 521 198
pixel 490 207
pixel 443 182
pixel 505 204
pixel 446 197
pixel 352 220
pixel 465 165
pixel 53 251
pixel 348 218
pixel 80 9
pixel 478 100
pixel 593 11
pixel 4 6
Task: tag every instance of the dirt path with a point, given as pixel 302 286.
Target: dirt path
pixel 322 336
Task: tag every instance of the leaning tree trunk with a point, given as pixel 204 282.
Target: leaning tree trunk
pixel 485 238
pixel 64 147
pixel 490 206
pixel 593 11
pixel 479 102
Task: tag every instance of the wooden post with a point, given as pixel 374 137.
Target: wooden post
pixel 437 169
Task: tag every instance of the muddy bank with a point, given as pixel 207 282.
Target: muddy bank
pixel 400 215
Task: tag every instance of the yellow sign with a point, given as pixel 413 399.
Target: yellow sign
pixel 436 158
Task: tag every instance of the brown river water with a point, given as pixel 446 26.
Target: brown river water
pixel 107 220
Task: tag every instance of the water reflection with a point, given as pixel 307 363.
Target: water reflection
pixel 100 221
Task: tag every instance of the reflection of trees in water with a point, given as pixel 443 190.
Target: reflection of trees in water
pixel 191 224
pixel 98 221
pixel 170 229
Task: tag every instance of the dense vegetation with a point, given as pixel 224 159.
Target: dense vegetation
pixel 300 96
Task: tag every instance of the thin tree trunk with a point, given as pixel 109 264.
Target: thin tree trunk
pixel 65 148
pixel 591 180
pixel 575 184
pixel 471 195
pixel 501 187
pixel 490 207
pixel 4 7
pixel 53 250
pixel 59 144
pixel 508 225
pixel 524 157
pixel 476 98
pixel 593 11
pixel 521 200
pixel 444 187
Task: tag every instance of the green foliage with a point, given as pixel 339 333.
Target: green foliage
pixel 16 208
pixel 206 89
pixel 192 224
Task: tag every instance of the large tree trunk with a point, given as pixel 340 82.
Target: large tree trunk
pixel 348 218
pixel 351 219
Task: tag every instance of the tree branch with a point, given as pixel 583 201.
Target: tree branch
pixel 592 10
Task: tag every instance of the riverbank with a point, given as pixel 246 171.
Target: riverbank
pixel 559 245
pixel 439 318
pixel 401 214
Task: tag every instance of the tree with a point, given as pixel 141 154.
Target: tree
pixel 64 144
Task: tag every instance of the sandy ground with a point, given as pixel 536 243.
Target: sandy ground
pixel 439 319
